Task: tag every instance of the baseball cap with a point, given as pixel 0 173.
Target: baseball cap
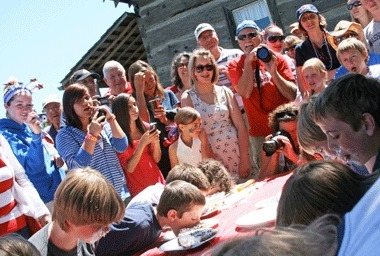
pixel 341 28
pixel 246 24
pixel 306 8
pixel 50 99
pixel 201 28
pixel 82 74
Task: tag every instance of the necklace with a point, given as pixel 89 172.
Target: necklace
pixel 322 56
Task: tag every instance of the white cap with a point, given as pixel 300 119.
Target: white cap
pixel 51 99
pixel 201 28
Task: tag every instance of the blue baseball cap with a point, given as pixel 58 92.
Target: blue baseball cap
pixel 306 8
pixel 246 24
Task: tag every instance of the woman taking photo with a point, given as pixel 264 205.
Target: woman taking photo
pixel 220 114
pixel 155 105
pixel 90 138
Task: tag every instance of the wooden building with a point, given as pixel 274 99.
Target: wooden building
pixel 166 27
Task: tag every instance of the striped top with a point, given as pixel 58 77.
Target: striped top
pixel 104 159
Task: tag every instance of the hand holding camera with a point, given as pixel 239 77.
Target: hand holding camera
pixel 281 142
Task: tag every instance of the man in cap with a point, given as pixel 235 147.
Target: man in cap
pixel 53 109
pixel 263 85
pixel 372 30
pixel 87 78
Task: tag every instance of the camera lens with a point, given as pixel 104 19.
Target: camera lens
pixel 263 54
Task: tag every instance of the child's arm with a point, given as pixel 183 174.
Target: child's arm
pixel 206 150
pixel 173 154
pixel 156 149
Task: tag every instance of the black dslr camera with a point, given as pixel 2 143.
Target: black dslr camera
pixel 264 54
pixel 273 144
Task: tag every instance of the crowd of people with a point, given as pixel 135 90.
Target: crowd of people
pixel 112 171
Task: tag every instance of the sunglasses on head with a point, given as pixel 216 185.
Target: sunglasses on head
pixel 354 4
pixel 182 65
pixel 273 39
pixel 249 36
pixel 201 68
pixel 338 40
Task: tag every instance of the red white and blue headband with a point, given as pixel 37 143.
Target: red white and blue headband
pixel 14 88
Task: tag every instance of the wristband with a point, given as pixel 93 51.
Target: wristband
pixel 111 118
pixel 91 137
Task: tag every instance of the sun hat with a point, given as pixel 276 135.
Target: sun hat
pixel 341 28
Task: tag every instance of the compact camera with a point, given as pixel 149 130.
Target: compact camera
pixel 264 54
pixel 103 100
pixel 274 144
pixel 101 112
pixel 152 127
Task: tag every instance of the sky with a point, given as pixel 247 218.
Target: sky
pixel 44 39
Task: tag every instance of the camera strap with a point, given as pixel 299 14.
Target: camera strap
pixel 258 82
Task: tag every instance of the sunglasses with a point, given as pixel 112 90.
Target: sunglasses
pixel 287 115
pixel 273 39
pixel 354 4
pixel 201 68
pixel 338 40
pixel 182 65
pixel 249 36
pixel 291 48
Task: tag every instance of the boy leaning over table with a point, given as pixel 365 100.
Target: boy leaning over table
pixel 181 205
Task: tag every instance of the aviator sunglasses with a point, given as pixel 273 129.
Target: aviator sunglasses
pixel 354 4
pixel 341 38
pixel 201 68
pixel 274 39
pixel 249 36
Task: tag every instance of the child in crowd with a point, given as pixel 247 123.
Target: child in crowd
pixel 353 55
pixel 139 161
pixel 180 206
pixel 217 175
pixel 185 172
pixel 348 112
pixel 85 204
pixel 315 74
pixel 192 144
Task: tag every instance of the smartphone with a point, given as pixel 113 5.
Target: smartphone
pixel 103 100
pixel 152 127
pixel 101 113
pixel 153 104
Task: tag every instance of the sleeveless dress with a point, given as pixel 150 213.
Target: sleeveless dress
pixel 222 134
pixel 189 155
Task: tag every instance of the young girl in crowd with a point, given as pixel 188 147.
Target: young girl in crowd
pixel 359 14
pixel 140 160
pixel 315 74
pixel 192 144
pixel 353 55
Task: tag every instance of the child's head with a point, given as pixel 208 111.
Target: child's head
pixel 182 204
pixel 353 55
pixel 188 120
pixel 315 74
pixel 320 187
pixel 16 245
pixel 190 174
pixel 290 43
pixel 87 203
pixel 274 38
pixel 217 175
pixel 348 112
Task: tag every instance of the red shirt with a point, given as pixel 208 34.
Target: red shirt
pixel 256 107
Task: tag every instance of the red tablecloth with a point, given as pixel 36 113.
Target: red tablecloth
pixel 227 229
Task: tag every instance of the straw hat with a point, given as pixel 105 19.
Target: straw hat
pixel 341 28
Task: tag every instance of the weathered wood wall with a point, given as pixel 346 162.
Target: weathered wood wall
pixel 167 26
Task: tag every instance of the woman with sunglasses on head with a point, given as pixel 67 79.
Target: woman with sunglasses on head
pixel 220 114
pixel 281 150
pixel 180 75
pixel 359 14
pixel 313 25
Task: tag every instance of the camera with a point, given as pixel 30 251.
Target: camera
pixel 103 100
pixel 154 103
pixel 152 127
pixel 264 54
pixel 274 144
pixel 101 112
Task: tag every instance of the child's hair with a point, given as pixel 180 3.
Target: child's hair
pixel 351 44
pixel 308 131
pixel 316 64
pixel 186 115
pixel 16 245
pixel 189 173
pixel 320 187
pixel 120 108
pixel 347 99
pixel 181 196
pixel 292 41
pixel 86 197
pixel 216 174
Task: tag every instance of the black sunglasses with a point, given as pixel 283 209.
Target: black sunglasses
pixel 249 35
pixel 274 39
pixel 201 68
pixel 182 65
pixel 354 4
pixel 289 48
pixel 289 115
